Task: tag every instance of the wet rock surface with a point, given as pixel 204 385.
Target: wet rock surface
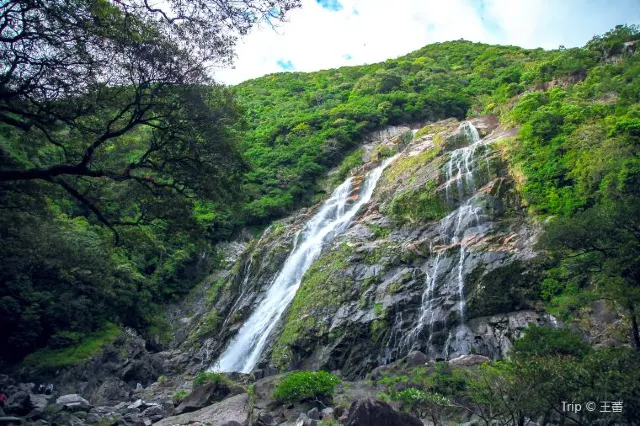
pixel 443 243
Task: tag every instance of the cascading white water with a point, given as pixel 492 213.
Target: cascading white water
pixel 460 170
pixel 333 218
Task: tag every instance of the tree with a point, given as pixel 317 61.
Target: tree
pixel 604 243
pixel 95 93
pixel 111 127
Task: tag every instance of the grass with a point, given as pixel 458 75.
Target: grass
pixel 51 359
pixel 205 377
pixel 179 396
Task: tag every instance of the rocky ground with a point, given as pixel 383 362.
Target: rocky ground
pixel 242 400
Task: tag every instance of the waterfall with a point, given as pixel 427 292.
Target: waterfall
pixel 333 218
pixel 468 219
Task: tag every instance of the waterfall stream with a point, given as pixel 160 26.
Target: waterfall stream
pixel 461 171
pixel 333 218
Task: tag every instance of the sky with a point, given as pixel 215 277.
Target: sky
pixel 333 33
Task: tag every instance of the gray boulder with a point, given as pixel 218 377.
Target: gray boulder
pixel 303 420
pixel 417 358
pixel 370 412
pixel 265 419
pixel 314 414
pixel 73 403
pixel 468 360
pixel 327 414
pixel 19 403
pixel 154 413
pixel 72 398
pixel 202 396
pixel 39 403
pixel 234 409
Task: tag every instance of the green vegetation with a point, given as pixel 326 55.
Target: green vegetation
pixel 86 347
pixel 547 366
pixel 179 395
pixel 301 385
pixel 422 404
pixel 209 323
pixel 206 377
pixel 547 342
pixel 405 167
pixel 580 159
pixel 119 162
pixel 322 288
pixel 418 205
pixel 349 163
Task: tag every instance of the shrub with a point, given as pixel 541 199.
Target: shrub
pixel 305 384
pixel 547 341
pixel 423 404
pixel 179 396
pixel 205 377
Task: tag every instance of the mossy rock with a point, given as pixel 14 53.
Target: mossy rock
pixel 431 129
pixel 512 287
pixel 322 290
pixel 418 205
pixel 405 167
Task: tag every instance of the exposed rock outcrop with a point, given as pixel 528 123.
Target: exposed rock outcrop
pixel 440 261
pixel 234 409
pixel 368 412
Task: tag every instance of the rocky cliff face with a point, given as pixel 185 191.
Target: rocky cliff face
pixel 440 261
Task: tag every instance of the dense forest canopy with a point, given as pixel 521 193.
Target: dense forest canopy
pixel 115 146
pixel 122 163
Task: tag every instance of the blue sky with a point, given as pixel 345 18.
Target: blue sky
pixel 332 33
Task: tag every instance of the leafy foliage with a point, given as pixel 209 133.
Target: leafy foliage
pixel 205 377
pixel 545 342
pixel 423 404
pixel 302 385
pixel 112 132
pixel 178 396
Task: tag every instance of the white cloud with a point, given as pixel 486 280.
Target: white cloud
pixel 316 38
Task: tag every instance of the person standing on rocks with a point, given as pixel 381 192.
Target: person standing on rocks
pixel 3 399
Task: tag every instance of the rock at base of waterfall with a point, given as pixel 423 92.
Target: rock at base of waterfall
pixel 416 358
pixel 203 396
pixel 266 419
pixel 368 412
pixel 74 402
pixel 469 360
pixel 234 409
pixel 8 420
pixel 19 404
pixel 303 420
pixel 314 414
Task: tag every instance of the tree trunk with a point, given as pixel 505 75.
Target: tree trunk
pixel 635 334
